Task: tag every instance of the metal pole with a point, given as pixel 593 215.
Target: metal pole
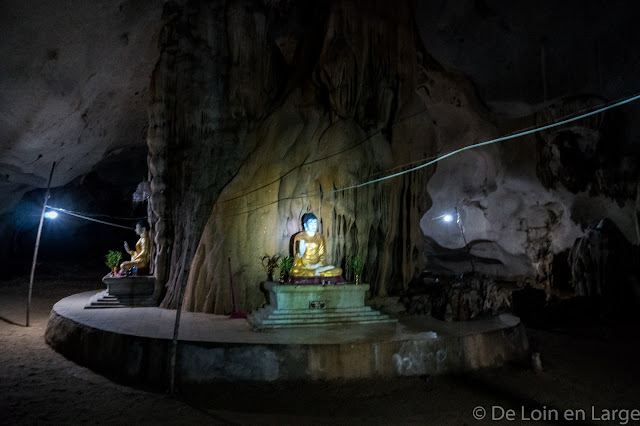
pixel 464 238
pixel 35 251
pixel 173 356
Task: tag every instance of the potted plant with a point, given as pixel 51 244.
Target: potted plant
pixel 113 261
pixel 270 263
pixel 285 265
pixel 357 265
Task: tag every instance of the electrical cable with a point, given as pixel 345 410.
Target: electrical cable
pixel 305 163
pixel 457 151
pixel 492 141
pixel 108 216
pixel 88 218
pixel 433 161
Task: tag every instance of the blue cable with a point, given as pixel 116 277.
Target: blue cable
pixel 504 138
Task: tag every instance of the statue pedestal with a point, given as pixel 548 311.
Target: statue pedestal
pixel 315 305
pixel 124 292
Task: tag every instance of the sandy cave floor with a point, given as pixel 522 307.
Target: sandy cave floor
pixel 584 367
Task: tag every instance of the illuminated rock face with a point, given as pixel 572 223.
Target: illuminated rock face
pixel 258 111
pixel 523 201
pixel 343 98
pixel 363 101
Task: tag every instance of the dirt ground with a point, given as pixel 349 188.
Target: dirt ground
pixel 594 368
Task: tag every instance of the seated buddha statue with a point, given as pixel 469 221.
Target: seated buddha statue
pixel 309 251
pixel 139 256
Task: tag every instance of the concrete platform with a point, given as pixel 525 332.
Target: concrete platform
pixel 134 344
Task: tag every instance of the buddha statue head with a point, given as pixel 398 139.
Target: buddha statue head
pixel 310 223
pixel 142 227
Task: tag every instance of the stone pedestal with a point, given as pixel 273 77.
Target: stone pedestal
pixel 127 291
pixel 315 305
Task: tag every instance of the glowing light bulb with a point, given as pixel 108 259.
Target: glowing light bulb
pixel 447 218
pixel 51 214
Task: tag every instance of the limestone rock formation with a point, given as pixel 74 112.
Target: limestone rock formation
pixel 345 98
pixel 602 267
pixel 368 105
pixel 201 105
pixel 75 79
pixel 258 111
pixel 525 201
pixel 460 298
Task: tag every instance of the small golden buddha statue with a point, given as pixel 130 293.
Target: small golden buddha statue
pixel 309 250
pixel 139 256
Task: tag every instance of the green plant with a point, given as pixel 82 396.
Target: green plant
pixel 285 265
pixel 113 259
pixel 270 263
pixel 357 264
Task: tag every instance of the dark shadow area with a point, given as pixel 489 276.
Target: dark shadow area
pixel 8 321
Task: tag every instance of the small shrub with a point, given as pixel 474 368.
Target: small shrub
pixel 113 259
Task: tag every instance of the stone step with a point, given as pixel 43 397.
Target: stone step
pixel 307 311
pixel 273 320
pixel 278 315
pixel 301 323
pixel 315 306
pixel 110 301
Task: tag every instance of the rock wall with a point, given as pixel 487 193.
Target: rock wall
pixel 369 101
pixel 263 111
pixel 74 81
pixel 524 202
pixel 278 101
pixel 198 119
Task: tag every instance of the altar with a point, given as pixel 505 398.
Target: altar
pixel 315 305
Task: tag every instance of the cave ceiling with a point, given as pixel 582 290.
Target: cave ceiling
pixel 74 87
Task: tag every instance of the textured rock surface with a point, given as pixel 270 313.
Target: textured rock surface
pixel 522 55
pixel 530 198
pixel 602 267
pixel 460 299
pixel 358 98
pixel 368 105
pixel 75 79
pixel 260 109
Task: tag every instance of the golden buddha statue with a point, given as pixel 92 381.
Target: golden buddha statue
pixel 139 256
pixel 309 250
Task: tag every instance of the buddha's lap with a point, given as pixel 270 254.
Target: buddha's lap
pixel 298 271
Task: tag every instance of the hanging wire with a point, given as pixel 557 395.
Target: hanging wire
pixel 434 160
pixel 307 163
pixel 105 215
pixel 430 160
pixel 492 141
pixel 88 218
pixel 251 189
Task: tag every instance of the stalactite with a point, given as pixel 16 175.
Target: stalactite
pixel 355 116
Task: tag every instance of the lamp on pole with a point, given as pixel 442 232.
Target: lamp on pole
pixel 35 250
pixel 447 218
pixel 464 239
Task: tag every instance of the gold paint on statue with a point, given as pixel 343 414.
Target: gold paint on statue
pixel 309 253
pixel 139 256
